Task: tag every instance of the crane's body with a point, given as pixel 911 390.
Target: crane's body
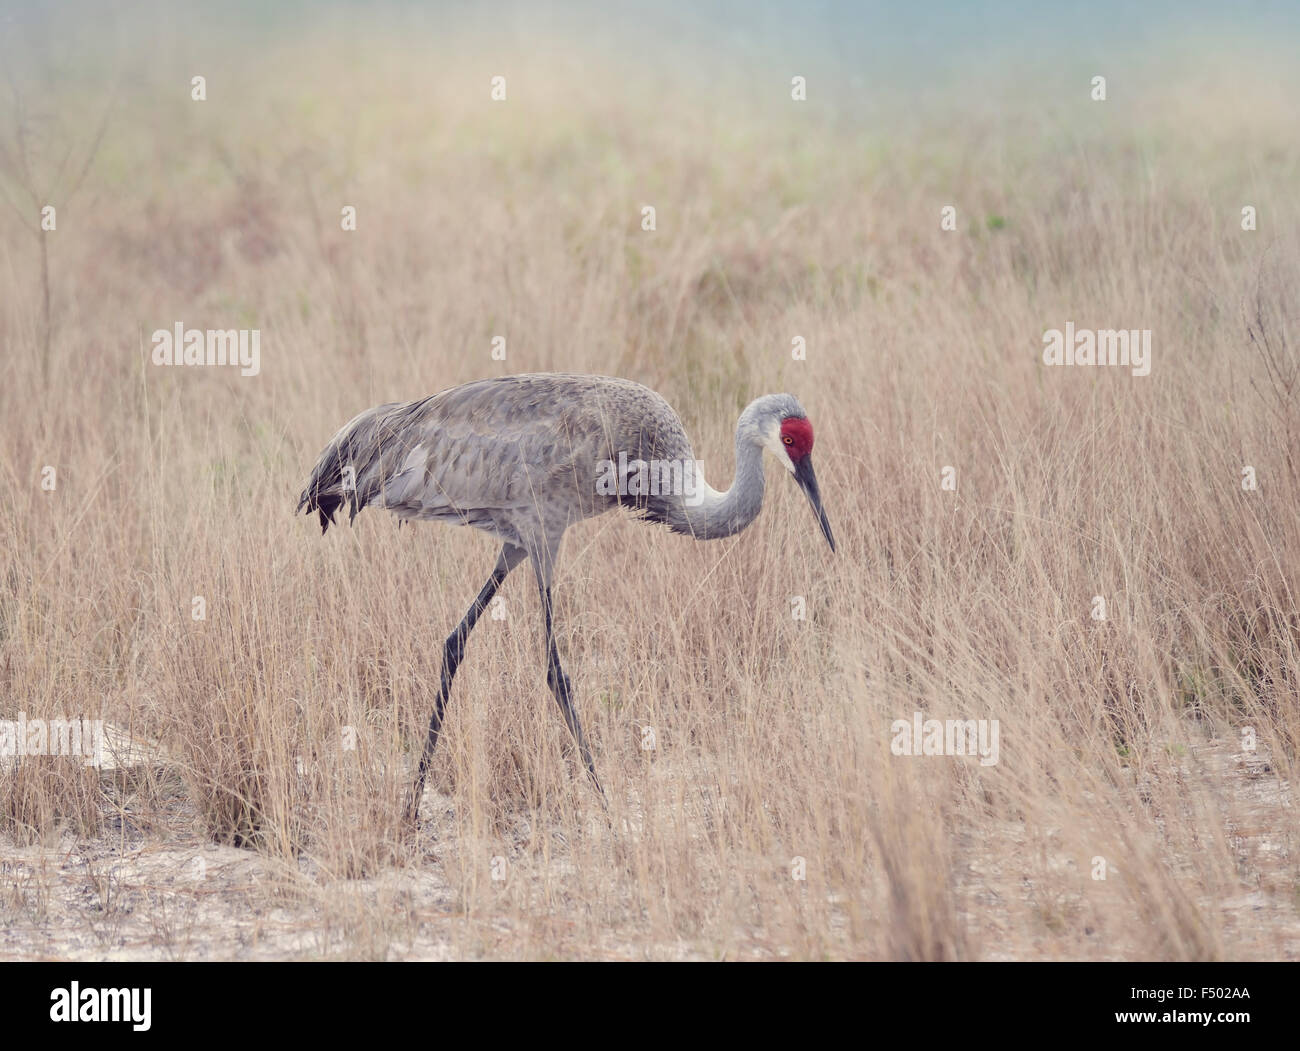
pixel 525 457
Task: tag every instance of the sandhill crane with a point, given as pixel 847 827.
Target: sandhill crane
pixel 525 457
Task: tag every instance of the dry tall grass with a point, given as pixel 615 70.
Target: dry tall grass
pixel 1120 739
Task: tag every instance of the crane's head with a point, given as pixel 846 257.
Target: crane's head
pixel 779 423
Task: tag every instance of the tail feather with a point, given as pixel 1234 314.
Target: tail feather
pixel 350 469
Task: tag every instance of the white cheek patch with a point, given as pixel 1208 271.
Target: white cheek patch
pixel 778 449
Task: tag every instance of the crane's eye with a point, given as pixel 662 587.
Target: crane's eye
pixel 788 440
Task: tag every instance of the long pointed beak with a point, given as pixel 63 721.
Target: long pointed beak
pixel 807 479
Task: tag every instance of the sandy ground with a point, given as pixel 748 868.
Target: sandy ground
pixel 157 889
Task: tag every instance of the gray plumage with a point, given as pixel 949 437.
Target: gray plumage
pixel 525 457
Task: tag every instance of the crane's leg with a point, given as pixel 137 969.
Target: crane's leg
pixel 559 682
pixel 452 652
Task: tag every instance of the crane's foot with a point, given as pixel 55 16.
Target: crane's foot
pixel 600 791
pixel 411 811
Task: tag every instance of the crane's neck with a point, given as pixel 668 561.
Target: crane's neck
pixel 709 514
